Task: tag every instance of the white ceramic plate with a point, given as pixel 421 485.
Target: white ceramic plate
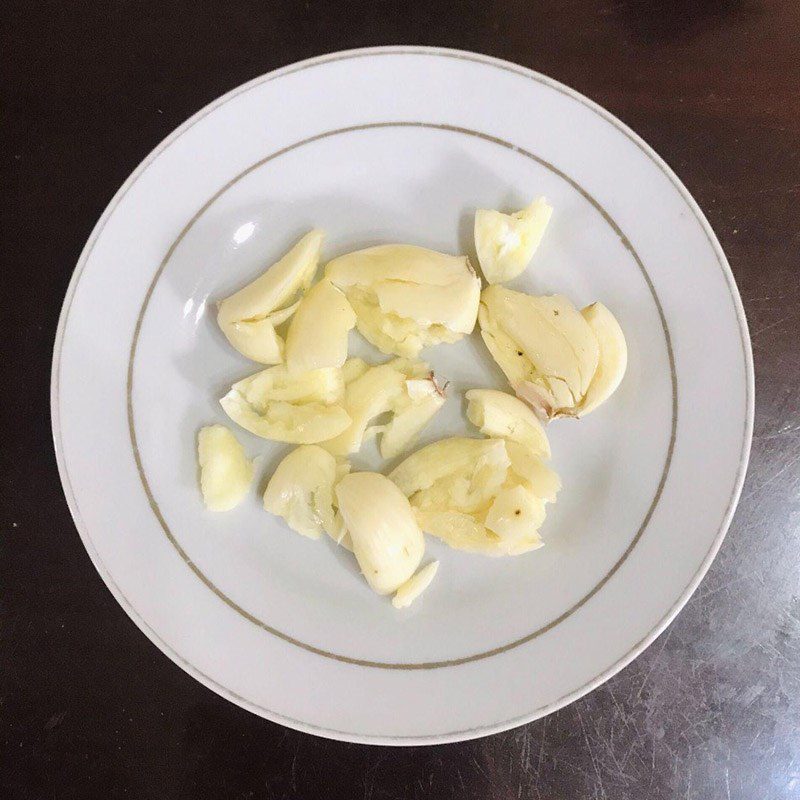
pixel 400 145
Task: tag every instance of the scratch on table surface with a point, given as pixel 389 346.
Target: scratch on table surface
pixel 769 326
pixel 727 783
pixel 614 700
pixel 293 770
pixel 608 743
pixel 461 779
pixel 704 595
pixel 653 664
pixel 757 297
pixel 378 762
pixel 541 748
pixel 632 749
pixel 771 479
pixel 784 433
pixel 525 749
pixel 591 751
pixel 755 738
pixel 573 766
pixel 480 768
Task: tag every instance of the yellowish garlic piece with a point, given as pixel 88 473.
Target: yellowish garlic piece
pixel 415 586
pixel 365 398
pixel 248 318
pixel 464 532
pixel 339 532
pixel 225 471
pixel 404 388
pixel 391 333
pixel 279 317
pixel 506 243
pixel 318 332
pixel 299 409
pixel 516 514
pixel 460 530
pixel 353 368
pixel 385 536
pixel 472 489
pixel 413 410
pixel 613 357
pixel 502 415
pixel 452 456
pixel 277 383
pixel 546 348
pixel 529 469
pixel 407 297
pixel 284 422
pixel 301 491
pixel 467 492
pixel 455 306
pixel 258 339
pixel 396 262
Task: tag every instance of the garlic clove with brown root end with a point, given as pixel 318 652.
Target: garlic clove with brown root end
pixel 562 362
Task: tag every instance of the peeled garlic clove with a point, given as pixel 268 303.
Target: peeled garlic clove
pixel 277 383
pixel 406 297
pixel 406 426
pixel 387 541
pixel 365 398
pixel 549 331
pixel 279 317
pixel 244 317
pixel 278 285
pixel 396 262
pixel 455 306
pixel 463 532
pixel 505 243
pixel 516 514
pixel 388 332
pixel 472 489
pixel 225 471
pixel 256 340
pixel 353 368
pixel 299 409
pixel 415 586
pixel 301 491
pixel 529 468
pixel 556 353
pixel 412 412
pixel 384 389
pixel 454 474
pixel 392 334
pixel 440 459
pixel 308 423
pixel 613 357
pixel 339 532
pixel 469 498
pixel 502 415
pixel 317 335
pixel 457 529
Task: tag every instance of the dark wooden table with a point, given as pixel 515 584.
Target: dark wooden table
pixel 90 709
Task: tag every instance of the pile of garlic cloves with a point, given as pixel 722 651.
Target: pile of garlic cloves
pixel 484 495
